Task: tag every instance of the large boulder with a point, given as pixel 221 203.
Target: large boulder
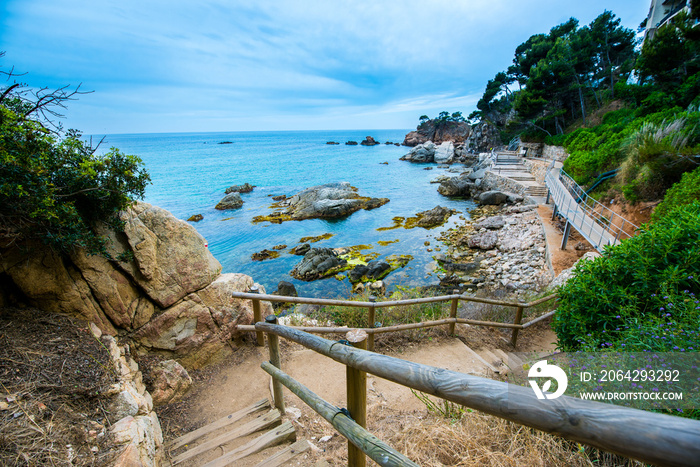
pixel 456 186
pixel 232 200
pixel 421 153
pixel 329 201
pixel 445 153
pixel 492 198
pixel 369 141
pixel 169 382
pixel 170 258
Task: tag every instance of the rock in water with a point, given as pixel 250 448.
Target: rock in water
pixel 433 217
pixel 245 188
pixel 286 289
pixel 195 218
pixel 329 201
pixel 317 263
pixel 369 141
pixel 230 201
pixel 422 153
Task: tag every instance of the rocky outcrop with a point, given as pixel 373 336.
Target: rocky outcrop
pixel 424 152
pixel 166 293
pixel 438 131
pixel 245 188
pixel 329 201
pixel 369 141
pixel 478 138
pixel 230 201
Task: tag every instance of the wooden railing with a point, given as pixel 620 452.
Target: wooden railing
pixel 649 437
pixel 372 305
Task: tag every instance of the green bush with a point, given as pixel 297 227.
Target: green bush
pixel 632 284
pixel 684 192
pixel 53 187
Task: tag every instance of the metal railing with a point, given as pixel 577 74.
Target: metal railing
pixel 600 225
pixel 650 437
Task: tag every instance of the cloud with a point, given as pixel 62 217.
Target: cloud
pixel 157 65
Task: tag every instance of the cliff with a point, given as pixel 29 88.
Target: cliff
pixel 169 296
pixel 479 138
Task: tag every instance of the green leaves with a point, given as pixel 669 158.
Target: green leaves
pixel 650 278
pixel 56 189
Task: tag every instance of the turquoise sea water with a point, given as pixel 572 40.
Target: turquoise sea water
pixel 190 172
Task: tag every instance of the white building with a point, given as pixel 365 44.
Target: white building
pixel 661 11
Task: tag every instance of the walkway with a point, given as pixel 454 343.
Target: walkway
pixel 509 164
pixel 598 224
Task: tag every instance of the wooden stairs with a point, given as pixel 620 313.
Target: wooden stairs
pixel 233 439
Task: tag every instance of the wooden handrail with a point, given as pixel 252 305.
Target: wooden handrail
pixel 411 301
pixel 380 452
pixel 649 437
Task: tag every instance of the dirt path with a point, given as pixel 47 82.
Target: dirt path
pixel 561 259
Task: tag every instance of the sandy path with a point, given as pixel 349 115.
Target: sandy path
pixel 238 386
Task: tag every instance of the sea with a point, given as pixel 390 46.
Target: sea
pixel 190 171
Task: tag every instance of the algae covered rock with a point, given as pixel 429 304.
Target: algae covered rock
pixel 329 201
pixel 230 201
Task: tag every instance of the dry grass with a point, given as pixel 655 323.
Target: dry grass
pixel 52 377
pixel 472 439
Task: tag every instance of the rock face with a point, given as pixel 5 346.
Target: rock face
pixel 168 294
pixel 230 201
pixel 479 138
pixel 424 152
pixel 369 141
pixel 245 188
pixel 433 130
pixel 330 201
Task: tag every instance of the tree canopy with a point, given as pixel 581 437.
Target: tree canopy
pixel 55 187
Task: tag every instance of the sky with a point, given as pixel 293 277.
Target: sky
pixel 160 66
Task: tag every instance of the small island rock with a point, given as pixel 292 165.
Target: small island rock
pixel 369 141
pixel 195 218
pixel 245 188
pixel 230 201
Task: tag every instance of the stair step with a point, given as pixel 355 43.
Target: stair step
pixel 495 363
pixel 218 424
pixel 273 417
pixel 273 437
pixel 285 455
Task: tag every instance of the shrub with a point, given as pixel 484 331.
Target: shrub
pixel 54 188
pixel 633 283
pixel 684 192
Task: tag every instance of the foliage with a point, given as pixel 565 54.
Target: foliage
pixel 649 279
pixel 356 317
pixel 53 186
pixel 686 191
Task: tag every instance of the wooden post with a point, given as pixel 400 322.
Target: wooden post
pixel 274 347
pixel 453 312
pixel 357 397
pixel 518 320
pixel 257 315
pixel 370 324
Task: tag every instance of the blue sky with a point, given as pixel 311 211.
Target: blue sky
pixel 228 65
